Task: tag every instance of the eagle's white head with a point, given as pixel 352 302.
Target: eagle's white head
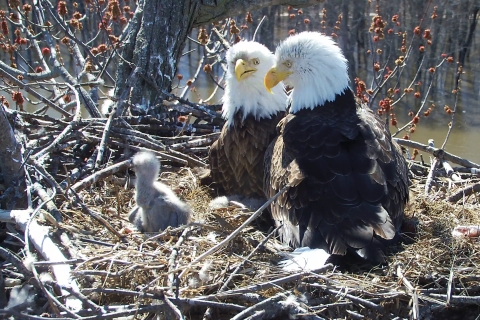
pixel 313 65
pixel 247 63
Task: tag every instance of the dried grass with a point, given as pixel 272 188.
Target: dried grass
pixel 118 270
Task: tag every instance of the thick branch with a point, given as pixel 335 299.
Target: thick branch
pixel 10 156
pixel 40 238
pixel 437 153
pixel 464 193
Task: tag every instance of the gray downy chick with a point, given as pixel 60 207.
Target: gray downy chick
pixel 158 207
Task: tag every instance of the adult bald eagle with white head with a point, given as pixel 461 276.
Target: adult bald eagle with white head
pixel 251 114
pixel 348 179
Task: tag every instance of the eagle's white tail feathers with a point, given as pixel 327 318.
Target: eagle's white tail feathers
pixel 304 259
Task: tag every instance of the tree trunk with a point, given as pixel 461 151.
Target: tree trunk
pixel 10 163
pixel 467 43
pixel 157 35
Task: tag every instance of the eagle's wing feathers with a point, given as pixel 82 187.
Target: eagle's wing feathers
pixel 350 182
pixel 236 158
pixel 219 164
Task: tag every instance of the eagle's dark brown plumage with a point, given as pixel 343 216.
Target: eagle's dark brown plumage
pixel 348 179
pixel 236 158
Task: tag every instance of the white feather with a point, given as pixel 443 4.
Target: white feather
pixel 46 278
pixel 319 69
pixel 295 306
pixel 304 259
pixel 21 294
pixel 193 282
pixel 212 237
pixel 251 204
pixel 28 261
pixel 204 273
pixel 219 202
pixel 107 103
pixel 250 95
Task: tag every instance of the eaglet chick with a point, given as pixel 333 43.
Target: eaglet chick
pixel 157 205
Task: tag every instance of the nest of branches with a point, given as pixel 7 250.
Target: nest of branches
pixel 220 266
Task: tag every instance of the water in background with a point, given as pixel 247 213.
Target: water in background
pixel 465 137
pixel 464 140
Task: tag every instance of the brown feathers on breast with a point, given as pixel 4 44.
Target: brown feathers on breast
pixel 236 158
pixel 348 179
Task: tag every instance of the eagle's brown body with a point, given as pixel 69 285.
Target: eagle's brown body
pixel 236 158
pixel 348 179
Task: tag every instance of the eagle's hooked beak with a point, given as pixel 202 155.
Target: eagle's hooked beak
pixel 273 77
pixel 243 69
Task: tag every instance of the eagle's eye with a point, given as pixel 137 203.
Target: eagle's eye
pixel 256 61
pixel 288 64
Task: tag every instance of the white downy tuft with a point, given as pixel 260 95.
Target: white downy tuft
pixel 46 278
pixel 28 261
pixel 108 104
pixel 212 237
pixel 218 203
pixel 21 295
pixel 241 202
pixel 204 273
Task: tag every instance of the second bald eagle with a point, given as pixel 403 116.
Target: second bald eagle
pixel 348 179
pixel 251 114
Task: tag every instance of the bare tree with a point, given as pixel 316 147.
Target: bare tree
pixel 157 37
pixel 147 49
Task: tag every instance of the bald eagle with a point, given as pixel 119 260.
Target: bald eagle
pixel 347 179
pixel 251 114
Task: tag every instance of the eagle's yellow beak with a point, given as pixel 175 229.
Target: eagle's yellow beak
pixel 243 69
pixel 273 77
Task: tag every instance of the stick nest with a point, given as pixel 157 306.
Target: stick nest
pixel 430 274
